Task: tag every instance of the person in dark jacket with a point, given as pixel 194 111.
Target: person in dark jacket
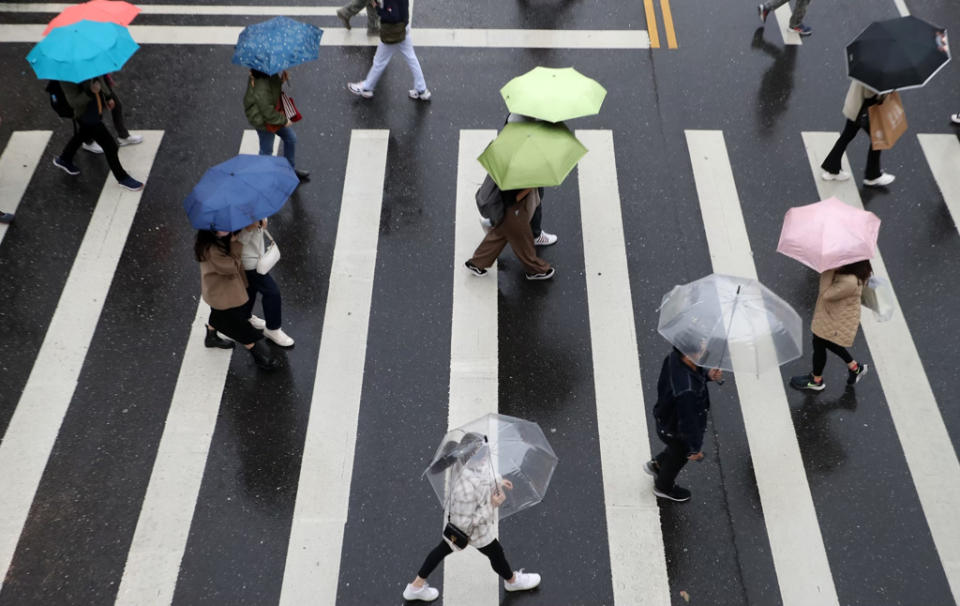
pixel 124 136
pixel 394 15
pixel 681 418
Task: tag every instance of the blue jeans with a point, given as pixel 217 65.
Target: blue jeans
pixel 286 135
pixel 270 297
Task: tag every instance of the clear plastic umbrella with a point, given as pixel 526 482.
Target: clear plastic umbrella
pixel 720 321
pixel 507 448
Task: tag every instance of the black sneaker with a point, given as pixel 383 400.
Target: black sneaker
pixel 67 167
pixel 854 376
pixel 677 493
pixel 763 12
pixel 214 340
pixel 652 467
pixel 803 30
pixel 543 276
pixel 476 270
pixel 806 382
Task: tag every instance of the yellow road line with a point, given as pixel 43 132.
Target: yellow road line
pixel 668 24
pixel 652 24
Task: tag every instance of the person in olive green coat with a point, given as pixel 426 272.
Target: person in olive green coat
pixel 260 104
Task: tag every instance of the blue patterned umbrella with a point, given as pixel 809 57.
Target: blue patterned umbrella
pixel 82 50
pixel 275 45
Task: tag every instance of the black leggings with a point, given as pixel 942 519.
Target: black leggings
pixel 831 163
pixel 493 551
pixel 820 347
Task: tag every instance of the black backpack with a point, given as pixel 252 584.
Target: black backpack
pixel 58 101
pixel 490 202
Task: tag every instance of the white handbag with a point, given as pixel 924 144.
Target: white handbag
pixel 877 296
pixel 270 256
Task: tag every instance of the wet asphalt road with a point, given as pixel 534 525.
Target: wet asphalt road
pixel 724 76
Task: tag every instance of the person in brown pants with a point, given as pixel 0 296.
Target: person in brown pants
pixel 515 230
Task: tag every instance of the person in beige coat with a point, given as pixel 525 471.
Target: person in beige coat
pixel 836 319
pixel 858 99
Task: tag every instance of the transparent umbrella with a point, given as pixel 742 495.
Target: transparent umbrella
pixel 504 447
pixel 720 321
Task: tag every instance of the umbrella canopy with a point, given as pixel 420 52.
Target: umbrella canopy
pixel 828 234
pixel 499 445
pixel 897 54
pixel 720 319
pixel 277 44
pixel 531 154
pixel 83 50
pixel 109 11
pixel 240 191
pixel 553 94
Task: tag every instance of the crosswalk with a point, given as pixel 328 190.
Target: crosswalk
pixel 638 573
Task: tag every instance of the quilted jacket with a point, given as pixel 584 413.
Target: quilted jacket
pixel 837 314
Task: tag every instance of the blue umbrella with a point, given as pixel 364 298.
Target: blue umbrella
pixel 275 45
pixel 240 191
pixel 82 50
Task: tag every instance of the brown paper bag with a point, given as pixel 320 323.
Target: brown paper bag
pixel 887 122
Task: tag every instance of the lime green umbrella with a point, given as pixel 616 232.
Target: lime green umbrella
pixel 531 154
pixel 553 94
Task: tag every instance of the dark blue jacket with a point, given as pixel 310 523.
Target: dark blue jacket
pixel 394 11
pixel 682 402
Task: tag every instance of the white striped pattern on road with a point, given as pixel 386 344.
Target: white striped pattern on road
pixel 422 37
pixel 796 544
pixel 153 562
pixel 943 157
pixel 17 164
pixel 36 421
pixel 474 357
pixel 186 9
pixel 312 570
pixel 637 560
pixel 783 15
pixel 926 444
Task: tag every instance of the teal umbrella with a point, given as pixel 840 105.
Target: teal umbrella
pixel 82 50
pixel 553 94
pixel 531 154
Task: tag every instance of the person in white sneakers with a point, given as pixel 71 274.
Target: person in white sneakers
pixel 471 507
pixel 124 137
pixel 858 99
pixel 394 38
pixel 252 238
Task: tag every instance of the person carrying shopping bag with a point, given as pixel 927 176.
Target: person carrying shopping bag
pixel 856 110
pixel 259 280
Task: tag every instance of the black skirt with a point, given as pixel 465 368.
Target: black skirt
pixel 234 323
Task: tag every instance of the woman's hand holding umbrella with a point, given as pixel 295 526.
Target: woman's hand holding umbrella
pixel 499 496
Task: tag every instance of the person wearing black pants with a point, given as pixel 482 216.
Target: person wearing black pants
pixel 855 109
pixel 493 551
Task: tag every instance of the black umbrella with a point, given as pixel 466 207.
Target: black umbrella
pixel 897 54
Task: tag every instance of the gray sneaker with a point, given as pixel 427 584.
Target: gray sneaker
pixel 420 95
pixel 343 18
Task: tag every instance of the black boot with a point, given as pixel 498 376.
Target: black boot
pixel 214 340
pixel 263 356
pixel 303 175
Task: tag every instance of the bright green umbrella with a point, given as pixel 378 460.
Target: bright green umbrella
pixel 553 94
pixel 531 154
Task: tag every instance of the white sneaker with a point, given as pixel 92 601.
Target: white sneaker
pixel 131 140
pixel 525 580
pixel 357 89
pixel 883 179
pixel 279 337
pixel 422 95
pixel 545 239
pixel 424 594
pixel 955 118
pixel 258 323
pixel 840 176
pixel 93 148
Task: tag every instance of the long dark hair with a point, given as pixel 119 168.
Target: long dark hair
pixel 207 238
pixel 259 74
pixel 861 269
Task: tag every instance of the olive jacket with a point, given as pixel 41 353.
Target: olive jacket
pixel 260 102
pixel 84 102
pixel 223 283
pixel 836 316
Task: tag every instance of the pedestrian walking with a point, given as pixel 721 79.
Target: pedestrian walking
pixel 681 419
pixel 224 288
pixel 394 38
pixel 796 18
pixel 836 318
pixel 471 508
pixel 254 246
pixel 540 237
pixel 515 229
pixel 855 109
pixel 350 9
pixel 87 101
pixel 261 103
pixel 124 136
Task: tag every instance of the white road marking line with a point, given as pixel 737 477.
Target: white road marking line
pixel 474 358
pixel 17 165
pixel 637 560
pixel 186 9
pixel 926 444
pixel 316 537
pixel 902 7
pixel 36 421
pixel 465 38
pixel 796 544
pixel 783 15
pixel 163 527
pixel 943 156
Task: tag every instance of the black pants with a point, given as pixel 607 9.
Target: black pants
pixel 270 297
pixel 117 114
pixel 97 132
pixel 832 163
pixel 820 347
pixel 493 551
pixel 671 460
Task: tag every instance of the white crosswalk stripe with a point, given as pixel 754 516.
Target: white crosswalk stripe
pixel 19 160
pixel 943 155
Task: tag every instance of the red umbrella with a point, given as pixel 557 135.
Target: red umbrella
pixel 111 11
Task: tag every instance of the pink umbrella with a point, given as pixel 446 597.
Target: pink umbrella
pixel 111 11
pixel 828 234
